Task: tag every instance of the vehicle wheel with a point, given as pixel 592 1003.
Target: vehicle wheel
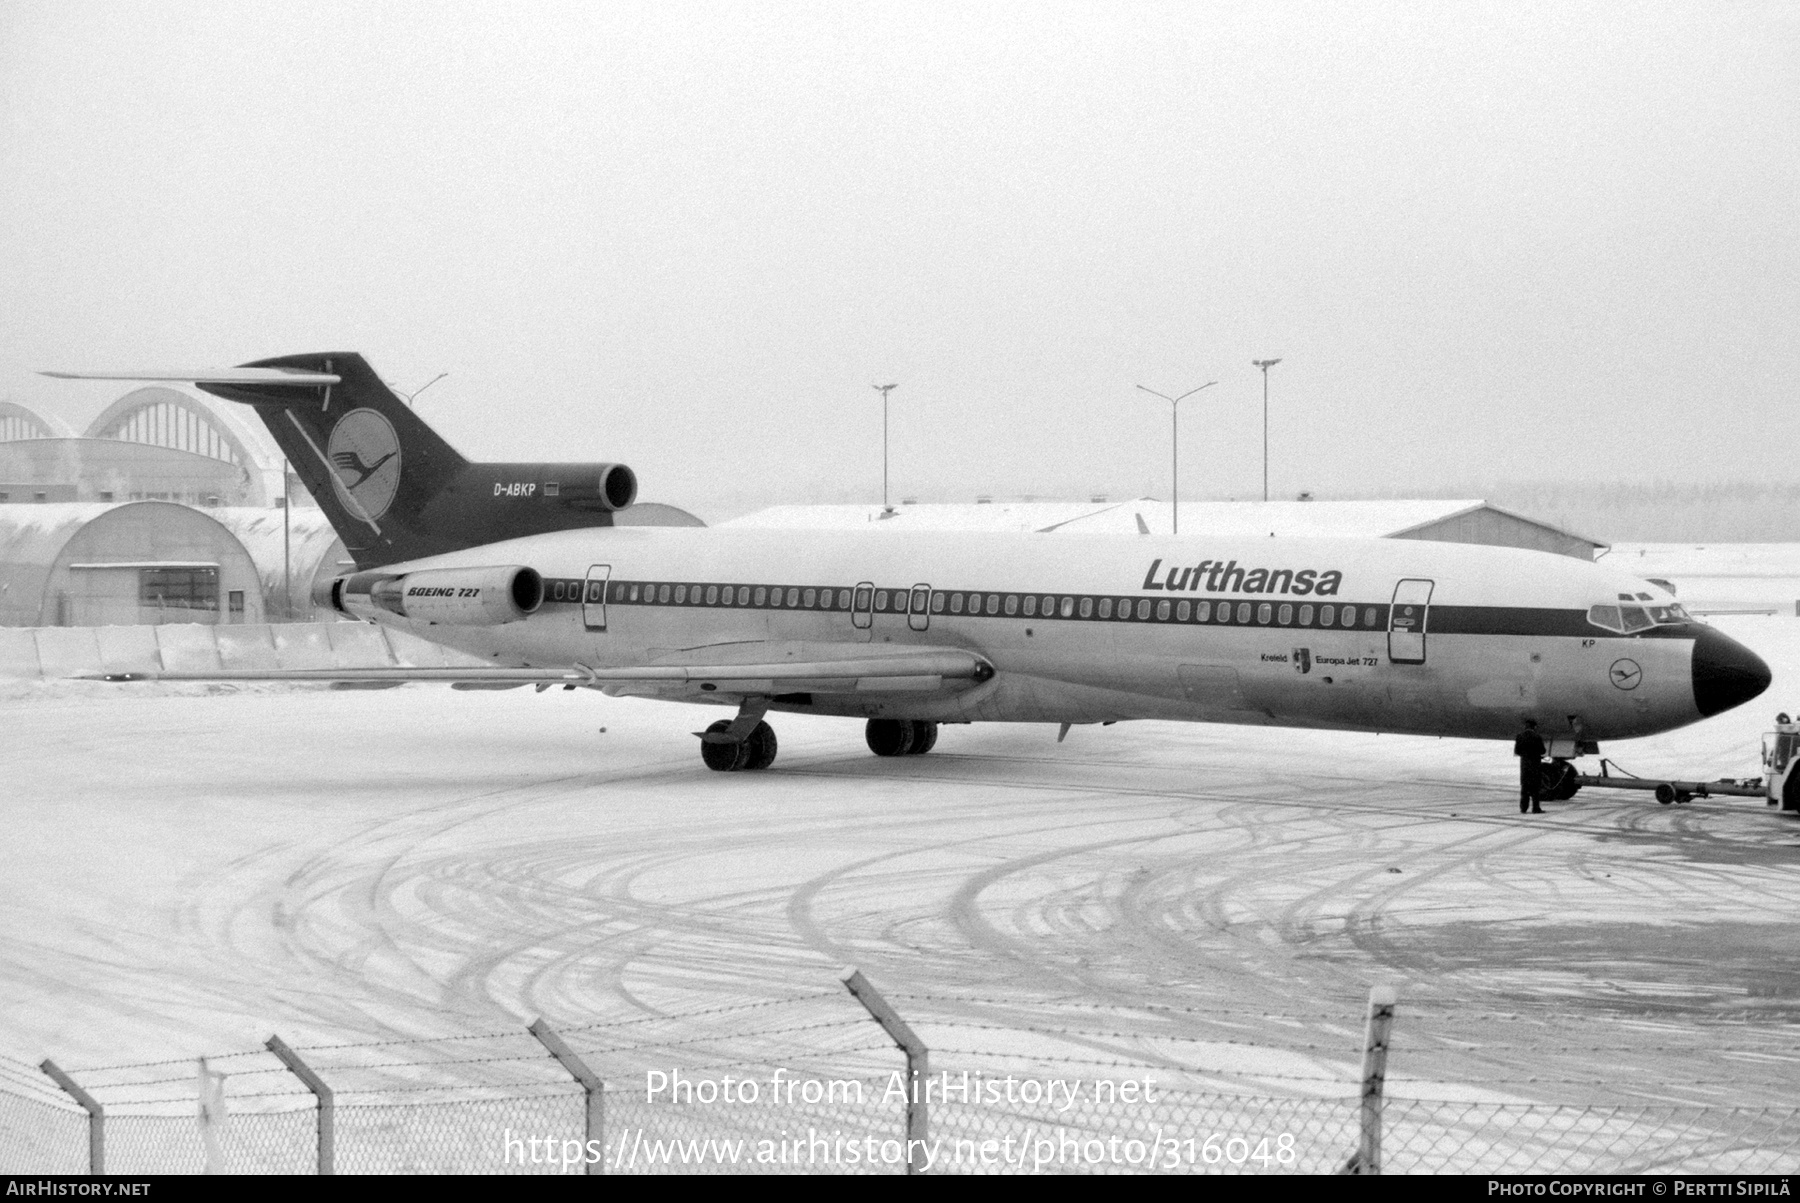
pixel 1665 793
pixel 724 758
pixel 924 738
pixel 889 737
pixel 762 747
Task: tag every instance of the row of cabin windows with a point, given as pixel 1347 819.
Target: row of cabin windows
pixel 1028 605
pixel 793 597
pixel 1144 609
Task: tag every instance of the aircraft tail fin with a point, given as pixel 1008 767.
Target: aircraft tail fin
pixel 370 462
pixel 392 487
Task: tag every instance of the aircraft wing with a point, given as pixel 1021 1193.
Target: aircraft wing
pixel 902 670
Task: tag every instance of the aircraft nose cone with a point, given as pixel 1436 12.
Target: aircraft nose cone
pixel 1726 673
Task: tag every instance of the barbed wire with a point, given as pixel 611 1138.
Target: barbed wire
pixel 719 1010
pixel 1413 1010
pixel 499 1034
pixel 883 1045
pixel 211 1058
pixel 758 1034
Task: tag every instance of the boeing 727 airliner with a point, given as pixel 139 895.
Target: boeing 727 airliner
pixel 520 566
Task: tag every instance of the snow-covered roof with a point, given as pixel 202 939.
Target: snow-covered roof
pixel 1000 516
pixel 1319 519
pixel 309 534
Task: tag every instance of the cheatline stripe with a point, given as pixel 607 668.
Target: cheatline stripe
pixel 960 604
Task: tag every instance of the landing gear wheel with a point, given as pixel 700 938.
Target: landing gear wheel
pixel 890 737
pixel 924 738
pixel 762 747
pixel 726 757
pixel 1558 784
pixel 1665 793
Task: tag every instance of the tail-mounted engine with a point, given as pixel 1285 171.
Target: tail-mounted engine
pixel 604 487
pixel 471 597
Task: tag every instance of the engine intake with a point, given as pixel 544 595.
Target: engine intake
pixel 616 488
pixel 473 597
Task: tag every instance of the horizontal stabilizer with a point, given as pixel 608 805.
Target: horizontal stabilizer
pixel 278 376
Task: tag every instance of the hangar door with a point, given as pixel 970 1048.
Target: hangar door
pixel 1406 621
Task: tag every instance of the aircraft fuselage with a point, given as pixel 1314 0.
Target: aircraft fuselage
pixel 1388 635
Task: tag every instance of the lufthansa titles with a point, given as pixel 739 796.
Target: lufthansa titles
pixel 1218 576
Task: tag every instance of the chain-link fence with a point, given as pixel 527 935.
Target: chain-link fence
pixel 811 1083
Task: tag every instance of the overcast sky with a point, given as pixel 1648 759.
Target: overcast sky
pixel 1489 242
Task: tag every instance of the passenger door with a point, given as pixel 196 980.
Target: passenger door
pixel 593 599
pixel 1406 621
pixel 862 611
pixel 918 608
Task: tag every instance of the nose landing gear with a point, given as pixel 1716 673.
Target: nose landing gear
pixel 1558 781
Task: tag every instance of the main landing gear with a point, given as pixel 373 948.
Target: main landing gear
pixel 746 742
pixel 900 737
pixel 728 755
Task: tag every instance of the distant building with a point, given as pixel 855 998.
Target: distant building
pixel 88 564
pixel 1436 521
pixel 152 444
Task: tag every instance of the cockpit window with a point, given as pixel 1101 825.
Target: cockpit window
pixel 1628 620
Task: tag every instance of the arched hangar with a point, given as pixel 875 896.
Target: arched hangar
pixel 151 444
pixel 87 564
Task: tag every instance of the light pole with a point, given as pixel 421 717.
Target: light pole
pixel 287 538
pixel 1175 451
pixel 884 390
pixel 1265 365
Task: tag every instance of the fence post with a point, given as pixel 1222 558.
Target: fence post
pixel 918 1063
pixel 1374 1073
pixel 321 1092
pixel 96 1116
pixel 590 1083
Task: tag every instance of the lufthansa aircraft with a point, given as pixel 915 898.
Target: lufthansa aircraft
pixel 520 565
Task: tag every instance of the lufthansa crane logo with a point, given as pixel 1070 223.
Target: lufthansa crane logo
pixel 1625 674
pixel 365 460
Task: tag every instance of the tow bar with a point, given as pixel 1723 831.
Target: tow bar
pixel 1779 785
pixel 1676 791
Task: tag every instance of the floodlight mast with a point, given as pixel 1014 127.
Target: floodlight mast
pixel 1175 451
pixel 1265 365
pixel 884 390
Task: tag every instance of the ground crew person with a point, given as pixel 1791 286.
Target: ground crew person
pixel 1529 748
